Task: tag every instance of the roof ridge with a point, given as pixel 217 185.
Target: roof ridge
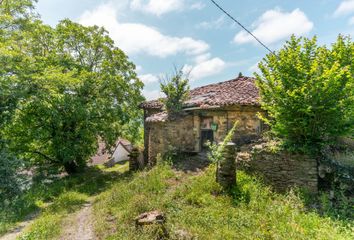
pixel 240 90
pixel 223 82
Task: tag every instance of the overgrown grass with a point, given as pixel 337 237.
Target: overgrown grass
pixel 198 206
pixel 54 200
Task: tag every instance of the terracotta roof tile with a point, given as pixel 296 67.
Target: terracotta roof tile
pixel 157 117
pixel 239 91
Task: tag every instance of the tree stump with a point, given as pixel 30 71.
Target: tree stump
pixel 154 221
pixel 149 218
pixel 226 167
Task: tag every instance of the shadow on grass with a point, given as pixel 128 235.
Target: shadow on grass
pixel 90 182
pixel 190 162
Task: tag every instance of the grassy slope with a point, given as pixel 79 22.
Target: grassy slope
pixel 55 201
pixel 195 204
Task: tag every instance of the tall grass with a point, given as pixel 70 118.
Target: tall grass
pixel 197 205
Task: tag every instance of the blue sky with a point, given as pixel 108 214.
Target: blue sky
pixel 193 34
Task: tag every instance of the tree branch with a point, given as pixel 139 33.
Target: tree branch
pixel 44 156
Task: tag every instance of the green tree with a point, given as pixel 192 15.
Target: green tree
pixel 15 18
pixel 307 91
pixel 70 86
pixel 176 89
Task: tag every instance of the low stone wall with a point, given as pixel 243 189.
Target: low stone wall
pixel 281 170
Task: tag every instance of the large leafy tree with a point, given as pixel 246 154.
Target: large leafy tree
pixel 71 87
pixel 308 91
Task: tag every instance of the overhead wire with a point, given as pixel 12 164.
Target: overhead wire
pixel 242 26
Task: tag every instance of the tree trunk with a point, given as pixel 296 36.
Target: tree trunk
pixel 71 167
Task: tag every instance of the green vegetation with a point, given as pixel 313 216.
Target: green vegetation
pixel 197 205
pixel 176 89
pixel 62 89
pixel 308 92
pixel 54 199
pixel 215 150
pixel 11 179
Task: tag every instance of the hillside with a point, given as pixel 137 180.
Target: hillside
pixel 195 207
pixel 99 205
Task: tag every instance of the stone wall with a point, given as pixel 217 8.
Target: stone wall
pixel 177 134
pixel 281 170
pixel 249 127
pixel 147 113
pixel 183 133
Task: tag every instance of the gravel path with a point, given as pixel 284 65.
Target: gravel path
pixel 80 226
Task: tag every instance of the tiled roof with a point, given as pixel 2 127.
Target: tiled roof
pixel 153 104
pixel 158 117
pixel 239 91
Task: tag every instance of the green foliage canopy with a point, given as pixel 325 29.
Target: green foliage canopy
pixel 63 89
pixel 308 91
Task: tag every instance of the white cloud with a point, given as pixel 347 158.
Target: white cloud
pixel 151 94
pixel 198 6
pixel 344 8
pixel 275 25
pixel 214 24
pixel 148 78
pixel 157 7
pixel 136 38
pixel 205 68
pixel 351 21
pixel 202 58
pixel 161 7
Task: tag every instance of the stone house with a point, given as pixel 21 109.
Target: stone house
pixel 208 115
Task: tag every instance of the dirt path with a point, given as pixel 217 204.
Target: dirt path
pixel 79 226
pixel 19 229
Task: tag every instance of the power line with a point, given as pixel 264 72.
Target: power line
pixel 249 32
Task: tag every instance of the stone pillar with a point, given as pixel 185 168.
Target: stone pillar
pixel 133 160
pixel 226 167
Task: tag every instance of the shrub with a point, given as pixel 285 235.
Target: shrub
pixel 176 89
pixel 215 150
pixel 11 179
pixel 308 91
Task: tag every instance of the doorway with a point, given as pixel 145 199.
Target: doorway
pixel 206 133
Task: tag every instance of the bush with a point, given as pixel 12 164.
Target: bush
pixel 11 180
pixel 308 91
pixel 176 89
